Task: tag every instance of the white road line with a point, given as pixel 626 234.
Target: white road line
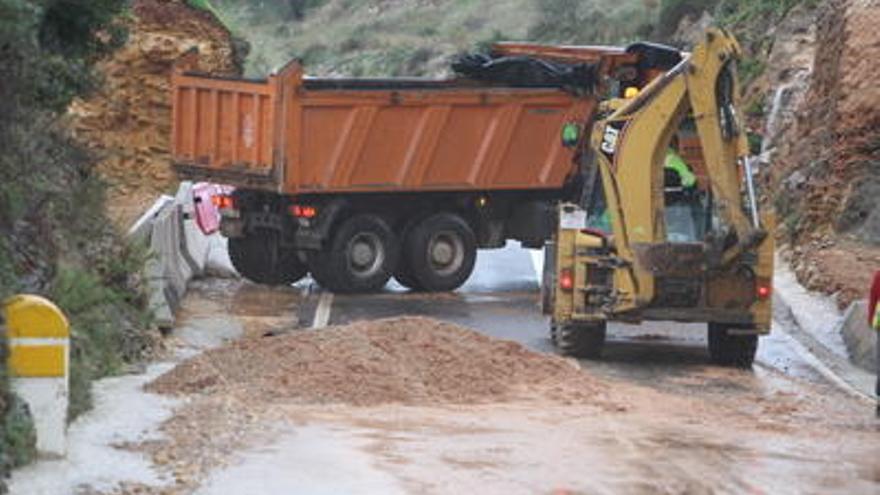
pixel 322 312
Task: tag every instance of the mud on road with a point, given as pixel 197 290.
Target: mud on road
pixel 652 418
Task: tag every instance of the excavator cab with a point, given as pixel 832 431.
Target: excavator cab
pixel 669 228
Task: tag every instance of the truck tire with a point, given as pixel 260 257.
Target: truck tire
pixel 404 276
pixel 728 349
pixel 404 272
pixel 361 257
pixel 259 259
pixel 580 340
pixel 441 251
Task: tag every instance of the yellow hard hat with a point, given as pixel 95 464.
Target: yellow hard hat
pixel 631 92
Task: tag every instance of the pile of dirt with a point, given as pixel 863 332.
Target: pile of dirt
pixel 127 122
pixel 414 361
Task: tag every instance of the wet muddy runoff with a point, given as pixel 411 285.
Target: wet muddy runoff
pixel 453 393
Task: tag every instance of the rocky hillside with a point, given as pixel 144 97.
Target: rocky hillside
pixel 823 131
pixel 127 122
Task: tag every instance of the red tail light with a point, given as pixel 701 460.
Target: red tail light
pixel 764 291
pixel 566 279
pixel 223 202
pixel 303 211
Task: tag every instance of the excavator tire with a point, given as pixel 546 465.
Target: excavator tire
pixel 580 340
pixel 730 349
pixel 259 259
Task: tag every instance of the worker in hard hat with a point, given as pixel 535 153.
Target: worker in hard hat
pixel 676 164
pixel 684 208
pixel 874 321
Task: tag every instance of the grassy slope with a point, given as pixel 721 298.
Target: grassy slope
pixel 415 37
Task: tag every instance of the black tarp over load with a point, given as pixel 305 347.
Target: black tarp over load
pixel 526 72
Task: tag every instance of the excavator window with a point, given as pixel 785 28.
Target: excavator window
pixel 724 91
pixel 686 199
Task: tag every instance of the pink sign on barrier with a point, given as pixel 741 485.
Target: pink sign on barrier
pixel 207 216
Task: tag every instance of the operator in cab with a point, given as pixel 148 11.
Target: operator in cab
pixel 684 206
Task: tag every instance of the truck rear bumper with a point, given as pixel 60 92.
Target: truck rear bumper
pixel 688 315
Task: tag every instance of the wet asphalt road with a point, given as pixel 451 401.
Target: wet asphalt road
pixel 502 299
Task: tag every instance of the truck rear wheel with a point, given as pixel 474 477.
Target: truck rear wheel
pixel 404 276
pixel 260 259
pixel 580 340
pixel 360 258
pixel 440 252
pixel 404 272
pixel 730 349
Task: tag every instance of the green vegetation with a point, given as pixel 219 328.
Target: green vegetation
pixel 54 236
pixel 345 37
pixel 359 38
pixel 105 324
pixel 594 23
pixel 673 11
pixel 17 437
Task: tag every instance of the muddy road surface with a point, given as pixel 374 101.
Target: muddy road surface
pixel 663 420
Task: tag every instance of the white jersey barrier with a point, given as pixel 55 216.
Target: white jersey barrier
pixel 180 250
pixel 859 336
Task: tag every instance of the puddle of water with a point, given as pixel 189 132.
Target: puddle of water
pixel 123 414
pixel 315 460
pixel 815 313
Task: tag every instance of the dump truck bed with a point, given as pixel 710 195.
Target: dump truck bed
pixel 296 135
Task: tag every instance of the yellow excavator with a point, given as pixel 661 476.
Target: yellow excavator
pixel 644 244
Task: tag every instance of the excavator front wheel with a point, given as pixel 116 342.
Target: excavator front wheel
pixel 581 340
pixel 728 346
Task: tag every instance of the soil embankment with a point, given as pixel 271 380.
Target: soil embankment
pixel 828 168
pixel 127 122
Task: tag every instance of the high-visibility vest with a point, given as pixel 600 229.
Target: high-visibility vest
pixel 675 162
pixel 877 316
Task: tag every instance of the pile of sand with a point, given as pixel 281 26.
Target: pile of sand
pixel 402 360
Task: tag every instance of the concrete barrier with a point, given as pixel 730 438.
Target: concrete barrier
pixel 180 248
pixel 39 364
pixel 194 244
pixel 859 338
pixel 166 244
pixel 140 231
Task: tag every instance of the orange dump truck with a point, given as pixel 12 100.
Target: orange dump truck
pixel 358 180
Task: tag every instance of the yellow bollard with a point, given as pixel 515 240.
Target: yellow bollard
pixel 39 365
